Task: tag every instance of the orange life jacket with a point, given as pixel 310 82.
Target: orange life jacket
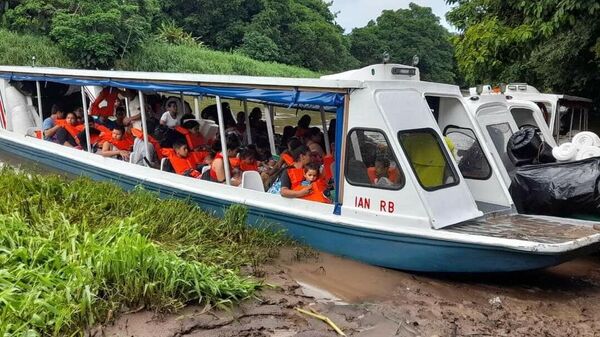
pixel 139 134
pixel 328 160
pixel 213 173
pixel 392 174
pixel 109 95
pixel 242 166
pixel 181 165
pixel 102 128
pixel 318 187
pixel 193 140
pixel 125 144
pixel 287 159
pixel 73 130
pixel 248 167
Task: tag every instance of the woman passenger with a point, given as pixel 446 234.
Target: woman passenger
pixel 217 169
pixel 294 175
pixel 314 138
pixel 67 134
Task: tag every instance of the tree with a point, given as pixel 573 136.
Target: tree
pixel 92 33
pixel 404 33
pixel 304 33
pixel 552 44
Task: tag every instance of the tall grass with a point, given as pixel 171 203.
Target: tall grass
pixel 157 56
pixel 18 49
pixel 73 252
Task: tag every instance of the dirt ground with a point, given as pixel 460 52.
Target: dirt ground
pixel 363 300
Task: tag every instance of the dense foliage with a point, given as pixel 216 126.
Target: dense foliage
pixel 404 33
pixel 303 33
pixel 552 44
pixel 75 253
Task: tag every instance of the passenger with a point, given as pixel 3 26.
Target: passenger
pixel 79 114
pixel 314 138
pixel 49 126
pixel 120 116
pixel 169 117
pixel 313 184
pixel 331 131
pixel 241 122
pixel 118 146
pixel 294 175
pixel 180 162
pixel 190 129
pixel 142 156
pixel 208 160
pixel 217 169
pixel 303 126
pixel 257 125
pixel 381 174
pixel 67 135
pixel 288 133
pixel 248 160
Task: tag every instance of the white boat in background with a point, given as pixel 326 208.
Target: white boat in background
pixel 565 115
pixel 440 213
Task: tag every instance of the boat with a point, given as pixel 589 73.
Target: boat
pixel 565 115
pixel 437 215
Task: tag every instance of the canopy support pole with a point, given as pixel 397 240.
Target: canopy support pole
pixel 223 141
pixel 127 107
pixel 325 136
pixel 182 102
pixel 39 100
pixel 269 117
pixel 144 127
pixel 196 107
pixel 85 120
pixel 247 121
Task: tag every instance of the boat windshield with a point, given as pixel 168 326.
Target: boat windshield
pixel 428 160
pixel 500 134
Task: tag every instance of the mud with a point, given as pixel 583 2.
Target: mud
pixel 364 300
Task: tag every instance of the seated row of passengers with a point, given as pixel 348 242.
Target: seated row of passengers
pixel 302 171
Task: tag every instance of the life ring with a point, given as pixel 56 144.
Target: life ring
pixel 104 104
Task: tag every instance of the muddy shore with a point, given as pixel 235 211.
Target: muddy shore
pixel 363 300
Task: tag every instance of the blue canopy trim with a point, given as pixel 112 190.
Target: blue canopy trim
pixel 291 98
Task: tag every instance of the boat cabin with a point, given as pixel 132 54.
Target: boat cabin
pixel 565 115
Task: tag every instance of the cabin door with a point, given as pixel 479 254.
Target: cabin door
pixel 425 157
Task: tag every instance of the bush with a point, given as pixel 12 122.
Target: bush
pixel 18 49
pixel 156 56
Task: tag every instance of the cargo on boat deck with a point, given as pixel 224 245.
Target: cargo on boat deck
pixel 413 186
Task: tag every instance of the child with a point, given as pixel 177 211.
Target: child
pixel 314 184
pixel 180 161
pixel 382 172
pixel 169 117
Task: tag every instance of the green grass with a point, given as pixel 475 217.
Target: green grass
pixel 157 56
pixel 72 253
pixel 17 49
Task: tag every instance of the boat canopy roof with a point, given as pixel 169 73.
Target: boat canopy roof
pixel 291 92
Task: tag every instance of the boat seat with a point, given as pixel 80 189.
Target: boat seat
pixel 205 168
pixel 162 164
pixel 34 132
pixel 252 181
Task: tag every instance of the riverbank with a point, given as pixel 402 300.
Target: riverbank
pixel 76 253
pixel 368 301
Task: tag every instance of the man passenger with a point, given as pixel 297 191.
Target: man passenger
pixel 49 126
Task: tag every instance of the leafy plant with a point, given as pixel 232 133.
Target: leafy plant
pixel 169 32
pixel 73 251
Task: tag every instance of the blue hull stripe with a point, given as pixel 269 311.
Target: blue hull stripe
pixel 371 246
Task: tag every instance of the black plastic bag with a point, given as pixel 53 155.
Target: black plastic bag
pixel 558 189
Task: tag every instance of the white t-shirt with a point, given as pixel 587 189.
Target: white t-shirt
pixel 134 110
pixel 168 120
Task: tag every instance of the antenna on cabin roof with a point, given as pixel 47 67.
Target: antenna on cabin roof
pixel 415 60
pixel 33 61
pixel 386 57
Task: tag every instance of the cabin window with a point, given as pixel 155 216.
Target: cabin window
pixel 370 161
pixel 428 159
pixel 500 134
pixel 468 153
